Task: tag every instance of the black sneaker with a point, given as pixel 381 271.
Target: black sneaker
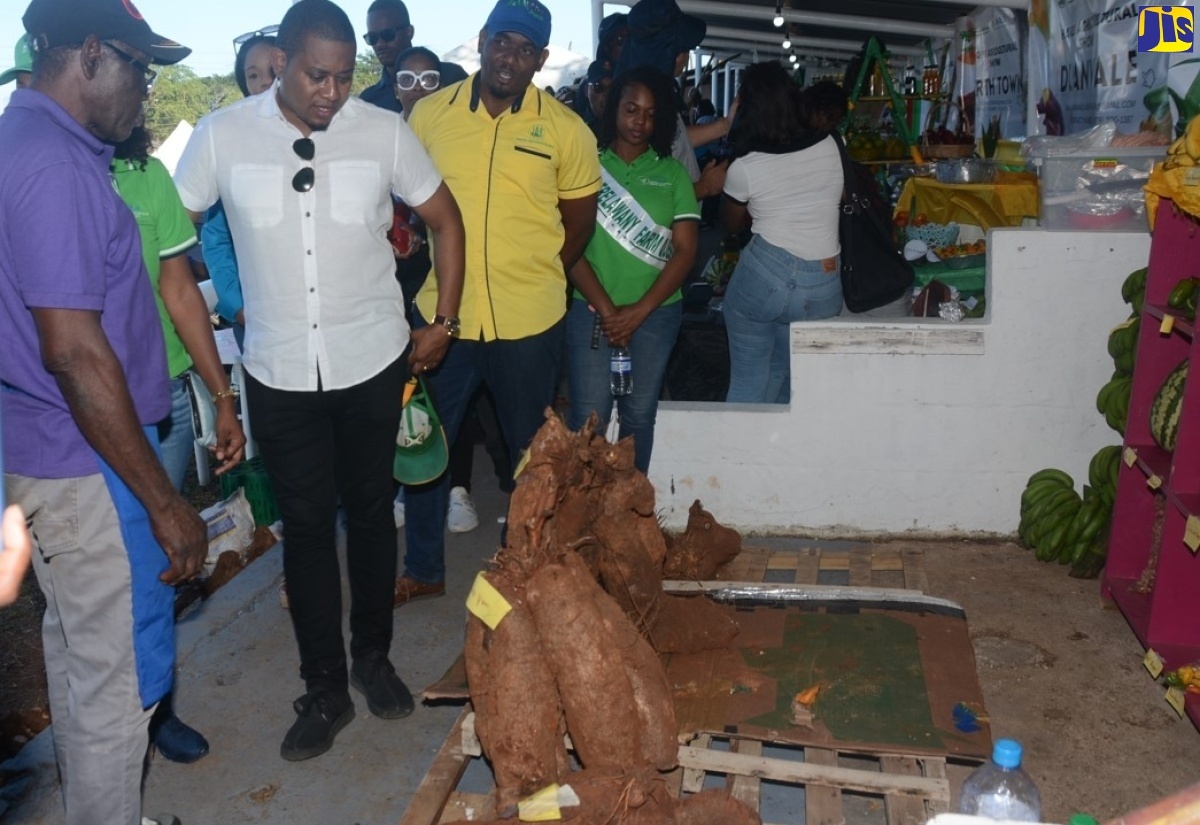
pixel 322 715
pixel 387 696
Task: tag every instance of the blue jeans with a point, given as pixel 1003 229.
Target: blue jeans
pixel 522 375
pixel 176 438
pixel 588 372
pixel 769 289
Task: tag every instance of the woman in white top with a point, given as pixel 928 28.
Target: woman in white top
pixel 786 184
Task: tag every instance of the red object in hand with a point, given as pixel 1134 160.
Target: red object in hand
pixel 404 238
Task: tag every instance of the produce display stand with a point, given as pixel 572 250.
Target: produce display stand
pixel 911 789
pixel 905 116
pixel 1158 493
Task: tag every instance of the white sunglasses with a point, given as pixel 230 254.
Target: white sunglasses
pixel 429 79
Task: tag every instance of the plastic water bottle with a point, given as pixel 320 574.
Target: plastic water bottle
pixel 1000 789
pixel 620 379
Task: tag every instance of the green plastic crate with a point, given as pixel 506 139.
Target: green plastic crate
pixel 252 476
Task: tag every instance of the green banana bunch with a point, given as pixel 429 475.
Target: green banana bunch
pixel 1113 401
pixel 1133 290
pixel 1089 564
pixel 1049 505
pixel 1103 471
pixel 1122 344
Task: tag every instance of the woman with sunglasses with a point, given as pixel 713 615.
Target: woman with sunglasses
pixel 254 74
pixel 418 75
pixel 166 232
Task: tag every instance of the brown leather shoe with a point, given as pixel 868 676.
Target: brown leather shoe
pixel 409 589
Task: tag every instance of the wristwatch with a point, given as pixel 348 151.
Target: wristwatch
pixel 452 324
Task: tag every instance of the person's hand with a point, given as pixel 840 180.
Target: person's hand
pixel 712 179
pixel 618 326
pixel 230 446
pixel 429 347
pixel 14 560
pixel 183 537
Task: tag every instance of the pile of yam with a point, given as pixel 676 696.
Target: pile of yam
pixel 577 654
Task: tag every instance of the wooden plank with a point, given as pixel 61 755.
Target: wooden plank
pixel 449 765
pixel 782 561
pixel 808 566
pixel 755 569
pixel 911 339
pixel 914 570
pixel 745 563
pixel 805 773
pixel 468 807
pixel 886 559
pixel 860 567
pixel 693 774
pixel 935 768
pixel 835 561
pixel 746 789
pixel 822 804
pixel 902 810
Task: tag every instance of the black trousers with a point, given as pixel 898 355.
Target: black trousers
pixel 318 446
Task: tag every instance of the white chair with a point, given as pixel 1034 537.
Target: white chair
pixel 230 357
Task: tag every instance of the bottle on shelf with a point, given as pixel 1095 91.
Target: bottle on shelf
pixel 910 81
pixel 931 82
pixel 620 379
pixel 1000 789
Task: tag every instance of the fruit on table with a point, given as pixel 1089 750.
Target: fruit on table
pixel 955 250
pixel 1164 410
pixel 941 136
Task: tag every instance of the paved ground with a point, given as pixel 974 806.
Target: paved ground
pixel 1059 672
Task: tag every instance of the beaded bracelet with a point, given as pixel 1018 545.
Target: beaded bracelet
pixel 230 393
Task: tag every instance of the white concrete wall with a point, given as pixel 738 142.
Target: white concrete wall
pixel 919 428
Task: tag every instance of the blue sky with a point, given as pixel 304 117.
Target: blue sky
pixel 209 28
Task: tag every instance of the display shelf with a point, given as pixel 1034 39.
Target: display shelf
pixel 1164 619
pixel 1182 326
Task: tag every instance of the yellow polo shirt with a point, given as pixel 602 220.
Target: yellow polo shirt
pixel 508 174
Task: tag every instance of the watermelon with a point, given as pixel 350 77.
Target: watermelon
pixel 1164 411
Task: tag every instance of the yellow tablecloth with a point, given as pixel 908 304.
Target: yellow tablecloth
pixel 1004 203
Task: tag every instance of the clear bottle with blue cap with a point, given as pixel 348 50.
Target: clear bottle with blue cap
pixel 1000 789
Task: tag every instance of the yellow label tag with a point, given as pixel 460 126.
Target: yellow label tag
pixel 1130 456
pixel 521 464
pixel 486 602
pixel 1191 534
pixel 1153 663
pixel 1154 482
pixel 1168 324
pixel 541 806
pixel 1175 698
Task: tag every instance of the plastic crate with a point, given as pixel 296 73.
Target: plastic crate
pixel 252 476
pixel 1097 189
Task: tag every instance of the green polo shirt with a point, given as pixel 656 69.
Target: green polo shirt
pixel 638 204
pixel 166 231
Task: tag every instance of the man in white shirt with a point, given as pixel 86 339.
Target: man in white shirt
pixel 306 175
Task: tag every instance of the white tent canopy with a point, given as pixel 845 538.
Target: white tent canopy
pixel 171 149
pixel 561 68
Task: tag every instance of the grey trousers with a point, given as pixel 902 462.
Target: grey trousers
pixel 100 727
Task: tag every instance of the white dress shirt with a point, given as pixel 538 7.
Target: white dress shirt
pixel 321 298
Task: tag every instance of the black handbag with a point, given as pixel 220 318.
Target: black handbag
pixel 874 272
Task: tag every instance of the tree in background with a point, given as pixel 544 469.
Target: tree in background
pixel 180 95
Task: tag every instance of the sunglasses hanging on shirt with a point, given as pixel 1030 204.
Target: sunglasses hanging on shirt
pixel 306 150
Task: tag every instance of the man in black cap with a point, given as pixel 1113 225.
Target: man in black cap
pixel 85 380
pixel 595 92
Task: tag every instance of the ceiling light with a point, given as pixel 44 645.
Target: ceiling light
pixel 778 21
pixel 787 39
pixel 793 57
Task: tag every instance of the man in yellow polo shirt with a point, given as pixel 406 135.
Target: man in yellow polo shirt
pixel 524 169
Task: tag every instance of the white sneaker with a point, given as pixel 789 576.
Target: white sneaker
pixel 398 508
pixel 461 517
pixel 161 819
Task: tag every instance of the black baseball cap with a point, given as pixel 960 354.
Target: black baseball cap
pixel 52 23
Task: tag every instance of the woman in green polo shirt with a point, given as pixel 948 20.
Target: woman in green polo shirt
pixel 629 277
pixel 167 233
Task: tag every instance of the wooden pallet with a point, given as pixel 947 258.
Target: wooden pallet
pixel 908 789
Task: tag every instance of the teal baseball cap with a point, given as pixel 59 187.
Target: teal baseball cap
pixel 22 61
pixel 421 449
